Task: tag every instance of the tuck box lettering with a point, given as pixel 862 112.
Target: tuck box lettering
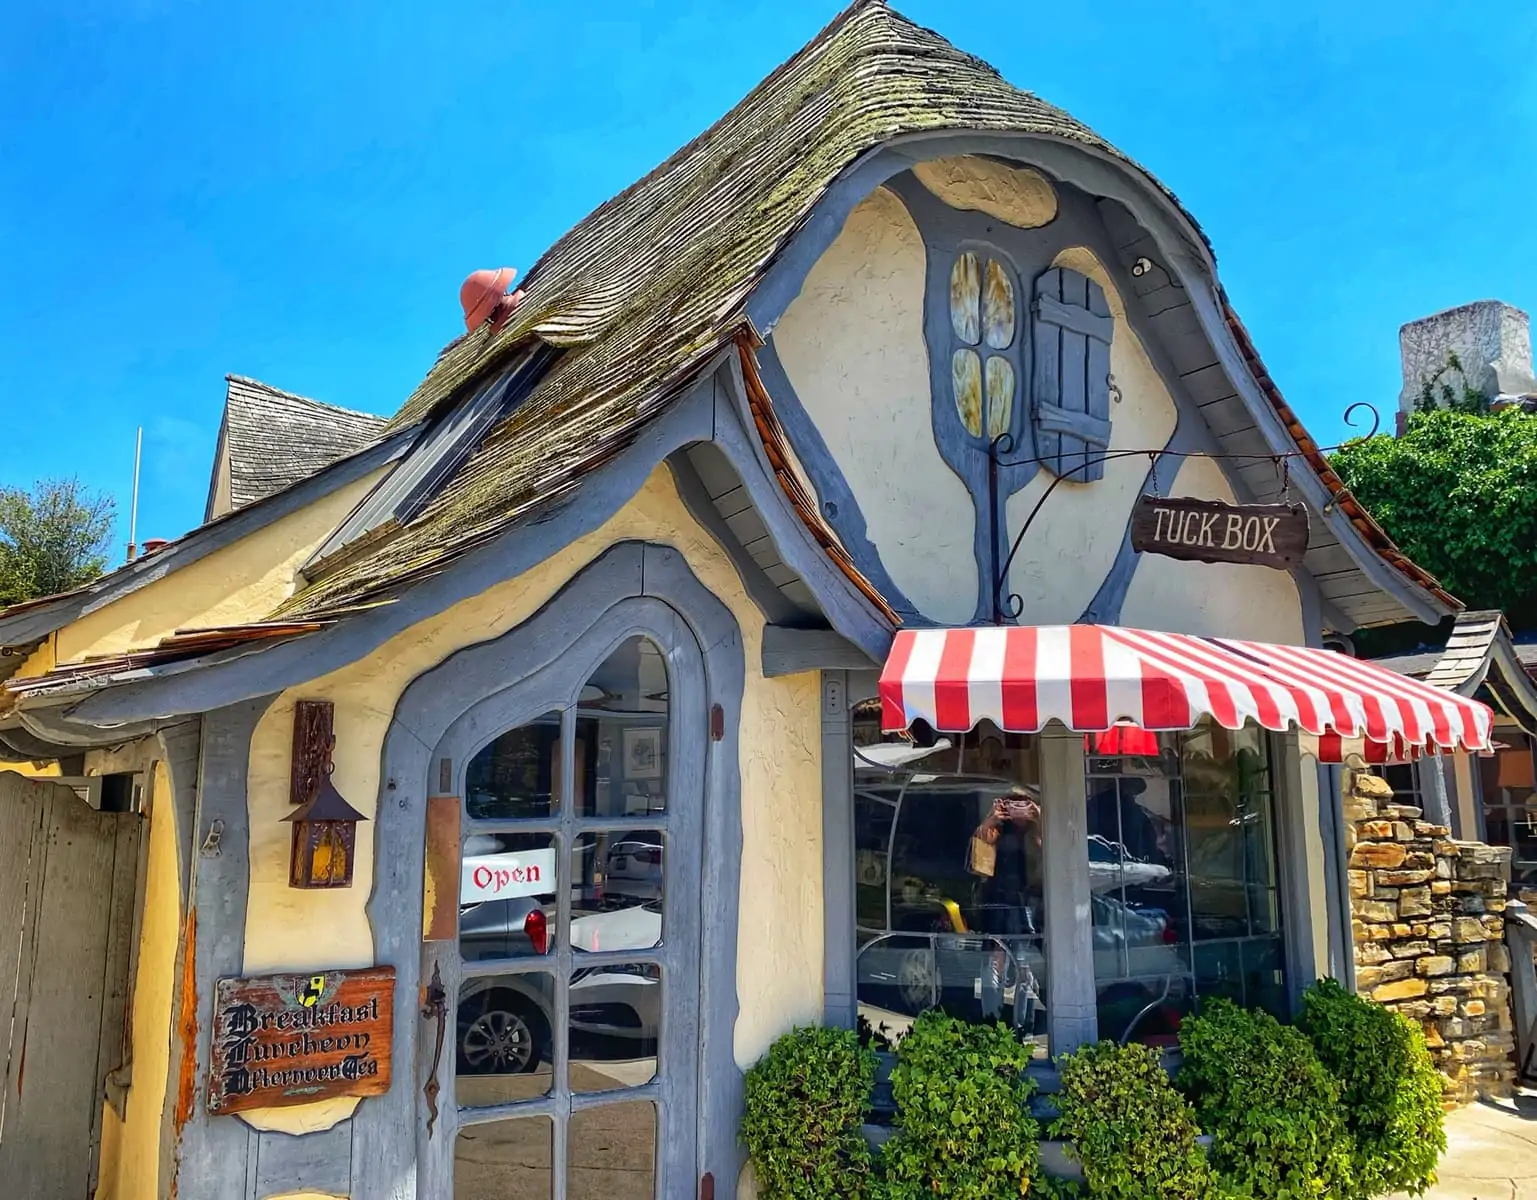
pixel 291 1039
pixel 1271 535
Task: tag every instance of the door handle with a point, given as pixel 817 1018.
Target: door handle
pixel 435 1007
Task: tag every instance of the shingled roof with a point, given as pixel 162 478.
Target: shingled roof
pixel 271 439
pixel 650 285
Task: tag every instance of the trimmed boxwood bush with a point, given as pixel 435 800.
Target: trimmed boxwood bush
pixel 1388 1084
pixel 1274 1113
pixel 806 1101
pixel 965 1131
pixel 1132 1132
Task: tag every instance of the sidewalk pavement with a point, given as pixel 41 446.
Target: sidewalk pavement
pixel 1491 1152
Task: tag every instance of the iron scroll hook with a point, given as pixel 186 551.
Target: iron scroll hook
pixel 1369 407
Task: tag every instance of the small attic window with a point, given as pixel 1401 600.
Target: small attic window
pixel 984 352
pixel 436 458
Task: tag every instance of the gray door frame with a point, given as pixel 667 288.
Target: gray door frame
pixel 605 596
pixel 555 689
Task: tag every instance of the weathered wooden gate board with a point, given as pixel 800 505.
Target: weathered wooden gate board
pixel 67 884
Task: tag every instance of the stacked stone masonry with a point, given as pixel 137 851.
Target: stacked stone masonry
pixel 1429 936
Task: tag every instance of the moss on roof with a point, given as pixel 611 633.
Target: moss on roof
pixel 651 284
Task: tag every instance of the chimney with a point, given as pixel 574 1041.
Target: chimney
pixel 1492 341
pixel 151 545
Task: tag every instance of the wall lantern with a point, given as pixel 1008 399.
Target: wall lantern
pixel 325 836
pixel 324 824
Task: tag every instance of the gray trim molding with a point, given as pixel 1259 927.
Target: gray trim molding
pixel 840 1004
pixel 607 594
pixel 791 651
pixel 33 623
pixel 214 1152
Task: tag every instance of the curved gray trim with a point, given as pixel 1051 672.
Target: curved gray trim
pixel 1105 607
pixel 604 592
pixel 214 1152
pixel 705 414
pixel 833 494
pixel 35 623
pixel 1180 244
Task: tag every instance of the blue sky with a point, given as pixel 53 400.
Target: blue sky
pixel 295 190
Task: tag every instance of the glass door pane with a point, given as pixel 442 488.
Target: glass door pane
pixel 571 886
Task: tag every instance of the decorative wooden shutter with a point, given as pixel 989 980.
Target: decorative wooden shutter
pixel 1073 328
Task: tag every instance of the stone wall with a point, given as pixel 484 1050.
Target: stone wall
pixel 1429 935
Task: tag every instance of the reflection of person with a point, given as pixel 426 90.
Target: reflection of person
pixel 1006 855
pixel 1116 816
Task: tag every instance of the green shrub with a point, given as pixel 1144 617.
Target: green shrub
pixel 806 1100
pixel 965 1130
pixel 1273 1111
pixel 1388 1084
pixel 1133 1133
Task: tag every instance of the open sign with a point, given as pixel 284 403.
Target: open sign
pixel 498 876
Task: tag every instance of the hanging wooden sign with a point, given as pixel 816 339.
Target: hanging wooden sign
pixel 1269 535
pixel 294 1039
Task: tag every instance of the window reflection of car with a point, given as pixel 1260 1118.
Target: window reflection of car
pixel 635 867
pixel 921 928
pixel 505 1021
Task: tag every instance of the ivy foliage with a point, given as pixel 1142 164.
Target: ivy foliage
pixel 1278 1131
pixel 1133 1134
pixel 1458 493
pixel 1389 1086
pixel 806 1102
pixel 962 1096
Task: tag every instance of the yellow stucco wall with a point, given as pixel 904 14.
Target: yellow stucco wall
pixel 779 970
pixel 1258 604
pixel 242 582
pixel 1021 197
pixel 130 1149
pixel 852 345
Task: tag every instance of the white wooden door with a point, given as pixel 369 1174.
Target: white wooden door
pixel 67 885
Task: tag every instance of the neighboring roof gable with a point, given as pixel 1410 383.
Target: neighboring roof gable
pixel 271 439
pixel 1479 654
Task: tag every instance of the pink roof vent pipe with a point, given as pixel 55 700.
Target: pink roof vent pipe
pixel 484 297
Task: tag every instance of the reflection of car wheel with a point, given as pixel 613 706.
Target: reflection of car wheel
pixel 500 1033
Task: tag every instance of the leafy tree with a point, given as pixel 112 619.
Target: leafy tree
pixel 52 539
pixel 1458 493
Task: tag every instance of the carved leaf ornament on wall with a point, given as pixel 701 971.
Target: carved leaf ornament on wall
pixel 983 316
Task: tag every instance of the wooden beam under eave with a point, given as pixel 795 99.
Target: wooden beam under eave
pixel 789 651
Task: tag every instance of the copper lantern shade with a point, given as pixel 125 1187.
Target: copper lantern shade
pixel 324 840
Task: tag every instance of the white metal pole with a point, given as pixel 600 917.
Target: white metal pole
pixel 133 510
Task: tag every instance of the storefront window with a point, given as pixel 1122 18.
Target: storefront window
pixel 1510 804
pixel 1182 872
pixel 949 884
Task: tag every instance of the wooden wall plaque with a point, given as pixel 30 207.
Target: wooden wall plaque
pixel 294 1039
pixel 1269 535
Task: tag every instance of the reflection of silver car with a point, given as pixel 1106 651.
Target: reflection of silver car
pixel 908 970
pixel 505 1021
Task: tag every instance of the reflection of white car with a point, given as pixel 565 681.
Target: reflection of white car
pixel 635 867
pixel 504 1021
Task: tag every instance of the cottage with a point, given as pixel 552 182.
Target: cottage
pixel 742 625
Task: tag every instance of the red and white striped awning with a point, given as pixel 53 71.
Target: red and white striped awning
pixel 1093 677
